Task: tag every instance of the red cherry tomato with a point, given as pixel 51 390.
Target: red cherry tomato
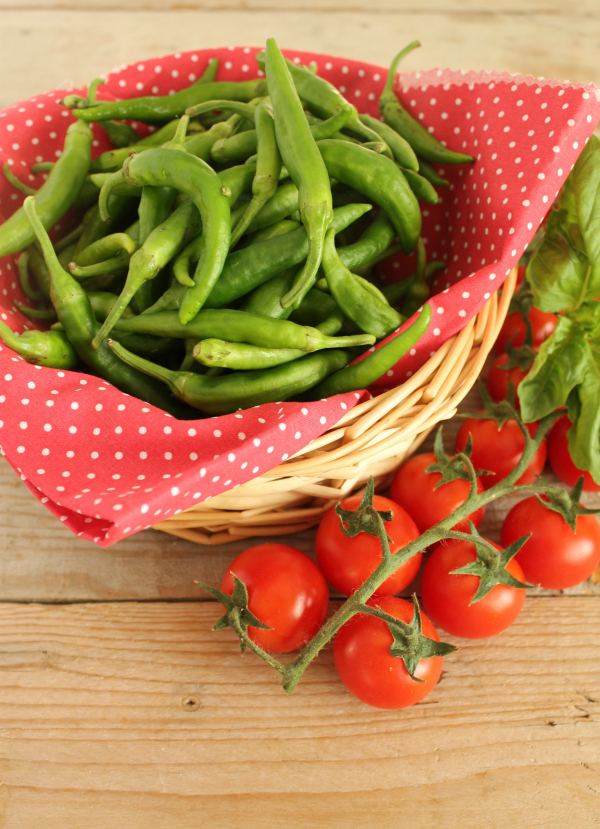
pixel 286 591
pixel 362 658
pixel 560 459
pixel 542 325
pixel 414 489
pixel 497 381
pixel 500 451
pixel 348 562
pixel 446 596
pixel 554 556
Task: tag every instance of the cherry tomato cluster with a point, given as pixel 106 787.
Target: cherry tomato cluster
pixel 288 592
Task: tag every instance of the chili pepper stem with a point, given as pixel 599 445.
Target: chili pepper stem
pixel 135 279
pixel 388 89
pixel 151 369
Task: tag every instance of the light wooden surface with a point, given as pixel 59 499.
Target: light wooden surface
pixel 119 707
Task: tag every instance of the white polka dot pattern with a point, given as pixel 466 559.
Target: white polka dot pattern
pixel 108 465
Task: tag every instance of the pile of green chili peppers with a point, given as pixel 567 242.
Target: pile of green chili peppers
pixel 228 258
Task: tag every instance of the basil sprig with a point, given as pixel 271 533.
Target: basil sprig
pixel 564 274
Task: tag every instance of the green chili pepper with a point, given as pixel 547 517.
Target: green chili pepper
pixel 365 307
pixel 122 189
pixel 70 239
pixel 75 314
pixel 149 260
pixel 321 97
pixel 418 292
pixel 428 171
pixel 314 309
pixel 246 357
pixel 17 183
pixel 305 164
pixel 23 268
pixel 241 146
pixel 97 225
pixel 422 142
pixel 155 206
pixel 38 267
pixel 223 395
pixel 87 196
pixel 166 107
pixel 237 180
pixel 375 365
pixel 421 187
pixel 210 73
pixel 401 149
pixel 240 327
pixel 120 134
pixel 103 302
pixel 280 206
pixel 277 229
pixel 268 168
pixel 198 145
pixel 237 107
pixel 266 299
pixel 379 179
pixel 188 363
pixel 395 291
pixel 249 267
pixel 193 177
pixel 35 313
pixel 115 263
pixel 105 248
pixel 41 348
pixel 242 356
pixel 57 193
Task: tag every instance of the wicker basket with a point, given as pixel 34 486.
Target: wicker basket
pixel 371 440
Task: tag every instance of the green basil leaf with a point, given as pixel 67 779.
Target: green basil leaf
pixel 586 189
pixel 559 366
pixel 587 317
pixel 558 274
pixel 584 435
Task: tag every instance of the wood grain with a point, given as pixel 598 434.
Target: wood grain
pixel 584 7
pixel 128 711
pixel 78 45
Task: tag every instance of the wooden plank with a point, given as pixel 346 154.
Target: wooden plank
pixel 584 8
pixel 78 45
pixel 121 712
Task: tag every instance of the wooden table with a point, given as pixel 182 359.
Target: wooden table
pixel 120 708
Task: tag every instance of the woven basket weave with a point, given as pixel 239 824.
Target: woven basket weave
pixel 372 439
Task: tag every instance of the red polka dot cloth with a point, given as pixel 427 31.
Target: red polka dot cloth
pixel 108 465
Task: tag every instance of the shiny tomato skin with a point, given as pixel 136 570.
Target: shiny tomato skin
pixel 413 489
pixel 497 381
pixel 347 563
pixel 554 557
pixel 366 667
pixel 560 459
pixel 286 591
pixel 542 325
pixel 446 596
pixel 500 451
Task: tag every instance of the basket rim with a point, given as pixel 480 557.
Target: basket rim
pixel 362 436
